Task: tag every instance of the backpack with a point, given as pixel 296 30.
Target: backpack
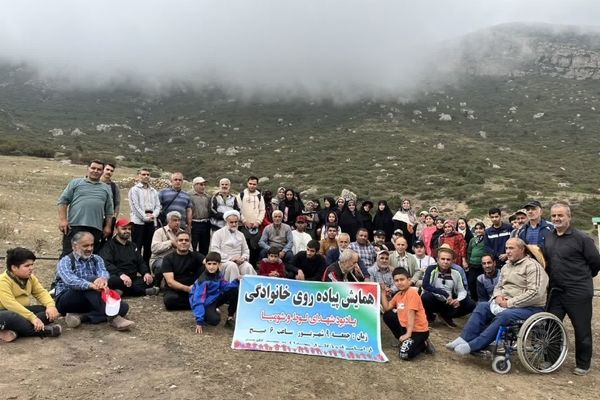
pixel 72 259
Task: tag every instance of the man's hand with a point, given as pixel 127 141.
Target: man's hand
pixel 100 284
pixel 63 226
pixel 38 325
pixel 126 280
pixel 237 259
pixel 199 329
pixel 148 279
pixel 465 265
pixel 52 313
pixel 106 231
pixel 453 302
pixel 502 301
pixel 174 243
pixel 274 274
pixel 300 275
pixel 189 288
pixel 281 254
pixel 502 257
pixel 403 338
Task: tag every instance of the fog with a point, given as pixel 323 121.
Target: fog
pixel 340 49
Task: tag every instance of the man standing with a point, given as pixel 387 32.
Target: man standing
pixel 222 202
pixel 573 261
pixel 536 230
pixel 175 199
pixel 252 211
pixel 128 271
pixel 230 243
pixel 145 209
pixel 80 279
pixel 495 237
pixel 180 270
pixel 85 205
pixel 200 216
pixel 106 177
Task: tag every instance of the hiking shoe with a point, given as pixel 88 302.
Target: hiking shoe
pixel 153 291
pixel 121 324
pixel 230 323
pixel 52 330
pixel 429 347
pixel 448 321
pixel 72 320
pixel 7 335
pixel 581 372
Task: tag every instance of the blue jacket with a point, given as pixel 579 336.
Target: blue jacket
pixel 495 240
pixel 545 228
pixel 206 290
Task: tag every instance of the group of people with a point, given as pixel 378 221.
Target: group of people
pixel 195 247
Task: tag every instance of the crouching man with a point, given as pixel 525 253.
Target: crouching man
pixel 211 291
pixel 520 293
pixel 80 279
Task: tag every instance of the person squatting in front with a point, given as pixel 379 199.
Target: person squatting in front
pixel 405 316
pixel 211 291
pixel 17 285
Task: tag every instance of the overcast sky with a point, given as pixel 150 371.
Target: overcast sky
pixel 309 46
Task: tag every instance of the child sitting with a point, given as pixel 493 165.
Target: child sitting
pixel 211 291
pixel 405 316
pixel 272 265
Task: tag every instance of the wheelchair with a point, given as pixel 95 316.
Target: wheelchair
pixel 540 342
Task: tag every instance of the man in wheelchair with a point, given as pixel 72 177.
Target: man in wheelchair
pixel 520 293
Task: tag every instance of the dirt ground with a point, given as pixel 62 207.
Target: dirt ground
pixel 162 358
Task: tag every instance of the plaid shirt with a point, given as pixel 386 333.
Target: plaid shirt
pixel 79 276
pixel 366 253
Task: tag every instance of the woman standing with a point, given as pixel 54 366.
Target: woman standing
pixel 17 285
pixel 383 219
pixel 349 222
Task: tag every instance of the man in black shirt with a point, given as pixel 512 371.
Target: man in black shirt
pixel 129 274
pixel 309 262
pixel 572 262
pixel 180 270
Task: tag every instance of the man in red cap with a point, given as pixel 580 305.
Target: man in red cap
pixel 129 274
pixel 301 238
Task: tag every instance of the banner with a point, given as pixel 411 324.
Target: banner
pixel 331 319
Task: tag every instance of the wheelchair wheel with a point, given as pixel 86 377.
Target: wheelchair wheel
pixel 542 343
pixel 501 365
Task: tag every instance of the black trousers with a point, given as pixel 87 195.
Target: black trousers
pixel 141 236
pixel 176 300
pixel 580 315
pixel 200 236
pixel 11 321
pixel 432 305
pixel 86 302
pixel 212 316
pixel 138 286
pixel 67 246
pixel 409 348
pixel 472 274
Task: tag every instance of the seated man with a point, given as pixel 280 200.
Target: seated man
pixel 180 270
pixel 381 272
pixel 301 238
pixel 520 293
pixel 366 251
pixel 211 291
pixel 129 274
pixel 401 258
pixel 344 270
pixel 486 282
pixel 231 244
pixel 379 240
pixel 423 260
pixel 80 279
pixel 444 291
pixel 277 234
pixel 330 240
pixel 309 263
pixel 164 243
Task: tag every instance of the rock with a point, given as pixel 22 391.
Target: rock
pixel 538 115
pixel 263 179
pixel 440 146
pixel 445 117
pixel 348 195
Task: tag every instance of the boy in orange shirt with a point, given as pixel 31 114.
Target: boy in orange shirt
pixel 405 316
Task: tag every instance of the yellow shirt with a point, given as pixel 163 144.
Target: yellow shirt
pixel 14 298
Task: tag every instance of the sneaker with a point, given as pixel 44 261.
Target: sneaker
pixel 429 347
pixel 7 335
pixel 153 291
pixel 230 323
pixel 121 324
pixel 72 320
pixel 581 371
pixel 448 321
pixel 52 330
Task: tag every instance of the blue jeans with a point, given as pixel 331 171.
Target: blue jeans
pixel 482 327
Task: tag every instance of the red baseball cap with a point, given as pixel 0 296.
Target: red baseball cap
pixel 122 222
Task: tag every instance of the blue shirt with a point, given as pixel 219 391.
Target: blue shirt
pixel 180 201
pixel 79 276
